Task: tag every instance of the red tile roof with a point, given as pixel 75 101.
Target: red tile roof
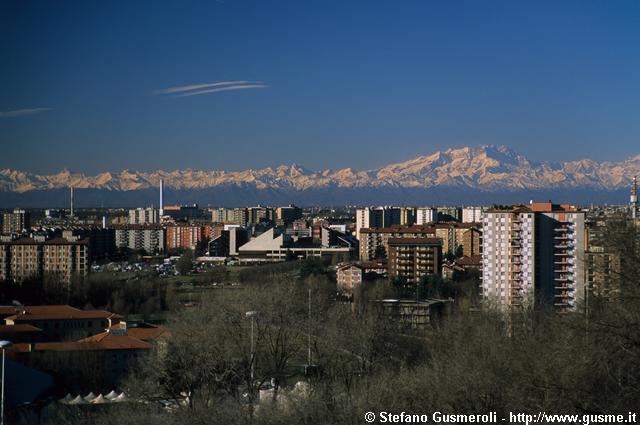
pixel 10 329
pixel 54 312
pixel 103 341
pixel 149 332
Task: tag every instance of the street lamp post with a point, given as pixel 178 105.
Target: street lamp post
pixel 3 345
pixel 252 316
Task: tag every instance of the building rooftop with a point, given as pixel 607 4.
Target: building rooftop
pixel 399 229
pixel 472 260
pixel 103 341
pixel 54 241
pixel 415 241
pixel 21 328
pixel 147 331
pixel 52 312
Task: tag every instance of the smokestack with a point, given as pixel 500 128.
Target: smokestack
pixel 633 200
pixel 71 201
pixel 161 194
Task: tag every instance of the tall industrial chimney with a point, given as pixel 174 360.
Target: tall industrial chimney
pixel 633 199
pixel 161 194
pixel 71 201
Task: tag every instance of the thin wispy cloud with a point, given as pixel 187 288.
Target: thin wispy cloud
pixel 209 88
pixel 237 87
pixel 22 112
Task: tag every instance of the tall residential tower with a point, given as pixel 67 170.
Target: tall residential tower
pixel 533 256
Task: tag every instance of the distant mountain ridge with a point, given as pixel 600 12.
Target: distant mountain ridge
pixel 486 168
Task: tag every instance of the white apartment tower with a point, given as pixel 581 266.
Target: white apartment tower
pixel 144 216
pixel 508 257
pixel 472 214
pixel 533 256
pixel 377 217
pixel 426 215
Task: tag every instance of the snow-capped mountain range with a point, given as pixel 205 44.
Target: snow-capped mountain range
pixel 486 168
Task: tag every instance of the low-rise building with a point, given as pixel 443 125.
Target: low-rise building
pixel 59 322
pixel 349 277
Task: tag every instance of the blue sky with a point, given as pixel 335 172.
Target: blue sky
pixel 324 84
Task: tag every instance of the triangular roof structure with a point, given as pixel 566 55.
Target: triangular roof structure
pixel 111 395
pixel 66 398
pixel 99 400
pixel 89 397
pixel 77 400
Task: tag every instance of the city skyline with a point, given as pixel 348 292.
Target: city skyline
pixel 324 85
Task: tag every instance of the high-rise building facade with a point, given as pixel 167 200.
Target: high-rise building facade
pixel 378 217
pixel 533 256
pixel 26 258
pixel 414 258
pixel 374 242
pixel 150 238
pixel 472 214
pixel 288 214
pixel 144 216
pixel 426 215
pixel 181 236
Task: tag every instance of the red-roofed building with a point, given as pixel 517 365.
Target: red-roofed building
pixel 60 322
pixel 20 333
pixel 108 355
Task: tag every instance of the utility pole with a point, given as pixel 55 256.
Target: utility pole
pixel 309 332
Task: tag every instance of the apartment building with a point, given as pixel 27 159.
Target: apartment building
pixel 186 236
pixel 449 213
pixel 144 216
pixel 426 215
pixel 378 217
pixel 533 256
pixel 454 235
pixel 414 258
pixel 17 221
pixel 349 277
pixel 222 215
pixel 25 258
pixel 472 214
pixel 260 214
pixel 288 214
pixel 374 242
pixel 150 238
